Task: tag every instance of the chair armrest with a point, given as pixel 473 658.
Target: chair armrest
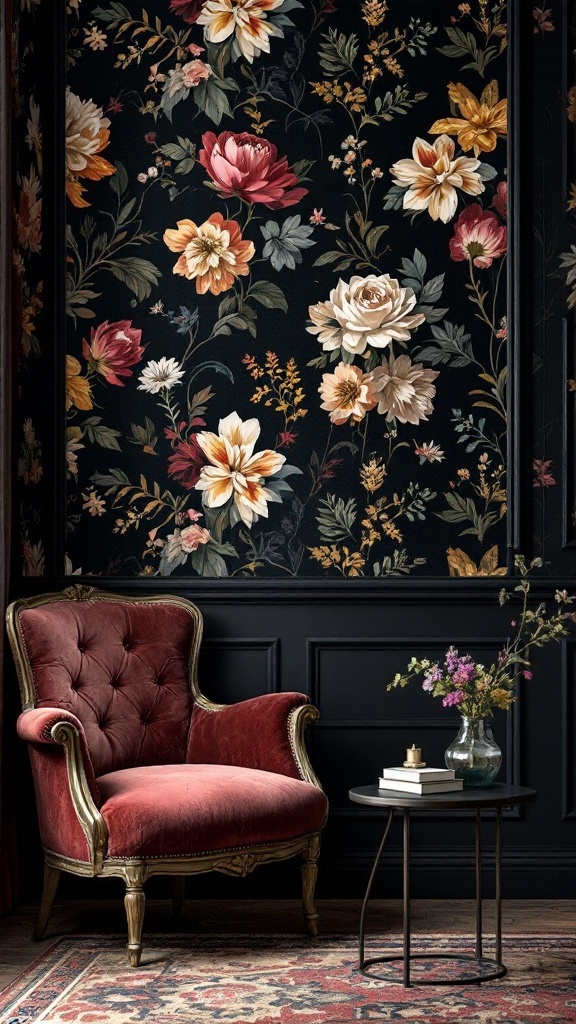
pixel 67 794
pixel 265 732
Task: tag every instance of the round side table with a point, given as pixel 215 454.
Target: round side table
pixel 494 798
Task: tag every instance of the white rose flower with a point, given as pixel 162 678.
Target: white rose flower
pixel 373 310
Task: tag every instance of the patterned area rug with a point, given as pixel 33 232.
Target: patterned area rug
pixel 270 979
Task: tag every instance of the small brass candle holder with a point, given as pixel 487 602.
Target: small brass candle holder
pixel 414 757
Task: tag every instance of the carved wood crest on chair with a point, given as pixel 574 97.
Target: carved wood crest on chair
pixel 136 772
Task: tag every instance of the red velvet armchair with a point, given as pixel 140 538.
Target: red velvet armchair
pixel 136 773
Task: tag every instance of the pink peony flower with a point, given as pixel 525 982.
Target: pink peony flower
pixel 478 236
pixel 194 72
pixel 112 349
pixel 190 10
pixel 246 166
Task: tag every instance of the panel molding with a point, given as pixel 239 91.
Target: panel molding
pixel 270 645
pixel 315 645
pixel 568 728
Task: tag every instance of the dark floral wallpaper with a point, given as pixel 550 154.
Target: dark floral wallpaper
pixel 286 254
pixel 31 417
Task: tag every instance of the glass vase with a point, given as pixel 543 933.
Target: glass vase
pixel 474 754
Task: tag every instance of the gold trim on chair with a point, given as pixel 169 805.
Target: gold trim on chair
pixel 92 822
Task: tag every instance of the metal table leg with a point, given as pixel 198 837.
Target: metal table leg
pixel 478 949
pixel 406 898
pixel 498 893
pixel 361 961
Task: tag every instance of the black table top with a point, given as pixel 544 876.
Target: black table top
pixel 496 795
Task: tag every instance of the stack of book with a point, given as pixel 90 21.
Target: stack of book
pixel 419 781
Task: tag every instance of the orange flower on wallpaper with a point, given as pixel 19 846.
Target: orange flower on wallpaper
pixel 29 212
pixel 482 121
pixel 86 136
pixel 78 391
pixel 213 254
pixel 460 564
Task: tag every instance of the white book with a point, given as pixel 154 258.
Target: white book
pixel 419 774
pixel 420 788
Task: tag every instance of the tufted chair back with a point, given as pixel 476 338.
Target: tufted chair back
pixel 124 668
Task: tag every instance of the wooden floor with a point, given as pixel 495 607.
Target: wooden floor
pixel 17 950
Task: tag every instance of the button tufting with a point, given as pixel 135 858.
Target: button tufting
pixel 81 646
pixel 126 645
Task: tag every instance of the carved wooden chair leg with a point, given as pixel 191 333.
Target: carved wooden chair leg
pixel 178 886
pixel 309 876
pixel 51 876
pixel 134 902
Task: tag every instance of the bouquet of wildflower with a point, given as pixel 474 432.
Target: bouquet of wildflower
pixel 476 690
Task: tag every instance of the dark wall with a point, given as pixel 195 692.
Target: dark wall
pixel 342 640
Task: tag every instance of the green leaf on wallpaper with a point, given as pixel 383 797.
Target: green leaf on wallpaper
pixel 336 518
pixel 197 405
pixel 87 227
pixel 227 305
pixel 212 364
pixel 97 433
pixel 139 275
pixel 486 172
pixel 449 344
pixel 113 478
pixel 394 198
pixel 207 562
pixel 268 295
pixel 211 97
pixel 115 13
pixel 319 363
pixel 327 257
pixel 126 211
pixel 119 181
pixel 373 237
pixel 398 102
pixel 463 44
pixel 301 168
pixel 183 153
pixel 338 52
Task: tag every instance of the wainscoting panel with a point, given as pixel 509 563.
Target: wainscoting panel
pixel 341 646
pixel 237 668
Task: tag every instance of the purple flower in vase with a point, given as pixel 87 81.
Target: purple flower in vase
pixel 431 677
pixel 453 699
pixel 451 660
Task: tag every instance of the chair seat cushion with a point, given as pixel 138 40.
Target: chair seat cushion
pixel 189 809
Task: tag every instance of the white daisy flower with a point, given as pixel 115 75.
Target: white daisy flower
pixel 161 375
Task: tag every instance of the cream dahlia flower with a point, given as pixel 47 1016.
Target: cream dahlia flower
pixel 348 394
pixel 433 176
pixel 235 471
pixel 245 19
pixel 404 390
pixel 365 311
pixel 86 136
pixel 213 253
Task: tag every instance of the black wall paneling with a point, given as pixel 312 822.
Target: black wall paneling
pixel 341 641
